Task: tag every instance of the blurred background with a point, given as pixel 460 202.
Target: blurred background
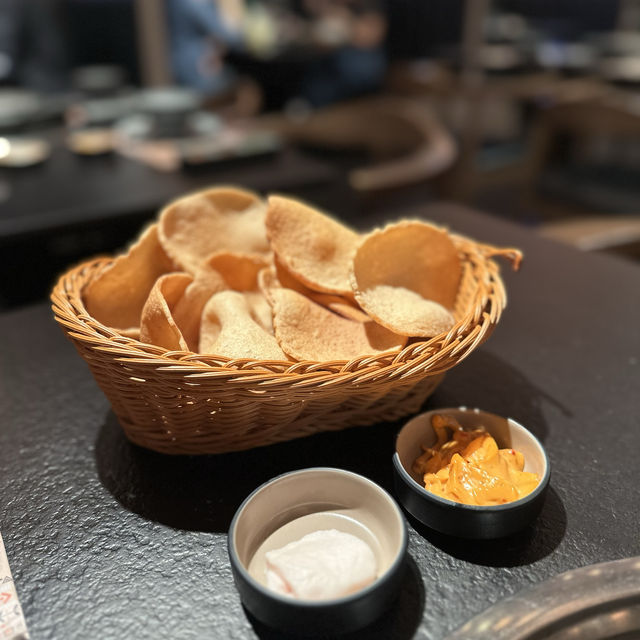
pixel 526 109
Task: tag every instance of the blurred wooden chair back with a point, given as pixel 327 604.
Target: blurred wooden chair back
pixel 406 143
pixel 490 117
pixel 585 156
pixel 593 190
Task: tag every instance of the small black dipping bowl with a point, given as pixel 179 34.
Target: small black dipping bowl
pixel 462 520
pixel 295 504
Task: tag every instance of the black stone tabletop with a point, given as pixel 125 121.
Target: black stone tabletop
pixel 108 540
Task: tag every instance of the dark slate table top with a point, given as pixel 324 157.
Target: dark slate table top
pixel 107 540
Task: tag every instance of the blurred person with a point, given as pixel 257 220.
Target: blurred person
pixel 32 50
pixel 201 32
pixel 352 32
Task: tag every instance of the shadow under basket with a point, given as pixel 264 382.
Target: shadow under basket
pixel 188 403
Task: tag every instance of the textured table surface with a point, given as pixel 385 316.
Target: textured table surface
pixel 107 540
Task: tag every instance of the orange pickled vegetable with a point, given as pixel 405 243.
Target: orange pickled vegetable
pixel 468 467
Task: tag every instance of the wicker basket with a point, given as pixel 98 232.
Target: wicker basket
pixel 187 403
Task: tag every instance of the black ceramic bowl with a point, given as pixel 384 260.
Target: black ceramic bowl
pixel 294 504
pixel 453 518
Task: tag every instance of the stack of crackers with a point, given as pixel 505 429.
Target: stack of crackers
pixel 225 272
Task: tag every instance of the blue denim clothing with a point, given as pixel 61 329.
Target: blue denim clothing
pixel 346 73
pixel 197 31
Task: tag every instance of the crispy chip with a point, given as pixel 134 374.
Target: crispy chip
pixel 315 248
pixel 157 325
pixel 229 330
pixel 222 219
pixel 288 280
pixel 267 281
pixel 344 306
pixel 218 273
pixel 225 273
pixel 405 311
pixel 188 310
pixel 240 271
pixel 308 331
pixel 133 332
pixel 260 309
pixel 116 296
pixel 406 277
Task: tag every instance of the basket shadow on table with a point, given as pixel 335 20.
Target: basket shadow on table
pixel 202 493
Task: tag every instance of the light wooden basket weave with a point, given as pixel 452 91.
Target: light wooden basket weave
pixel 187 403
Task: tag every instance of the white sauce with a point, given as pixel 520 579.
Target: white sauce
pixel 321 565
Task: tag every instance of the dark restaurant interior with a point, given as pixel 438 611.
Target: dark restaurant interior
pixel 526 110
pixel 253 258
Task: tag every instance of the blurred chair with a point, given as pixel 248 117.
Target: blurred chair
pixel 585 174
pixel 405 141
pixel 586 157
pixel 490 117
pixel 419 78
pixel 491 135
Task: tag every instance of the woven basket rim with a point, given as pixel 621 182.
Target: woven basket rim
pixel 470 329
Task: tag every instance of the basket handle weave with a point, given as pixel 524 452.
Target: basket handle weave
pixel 509 253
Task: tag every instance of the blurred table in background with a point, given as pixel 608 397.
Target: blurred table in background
pixel 70 207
